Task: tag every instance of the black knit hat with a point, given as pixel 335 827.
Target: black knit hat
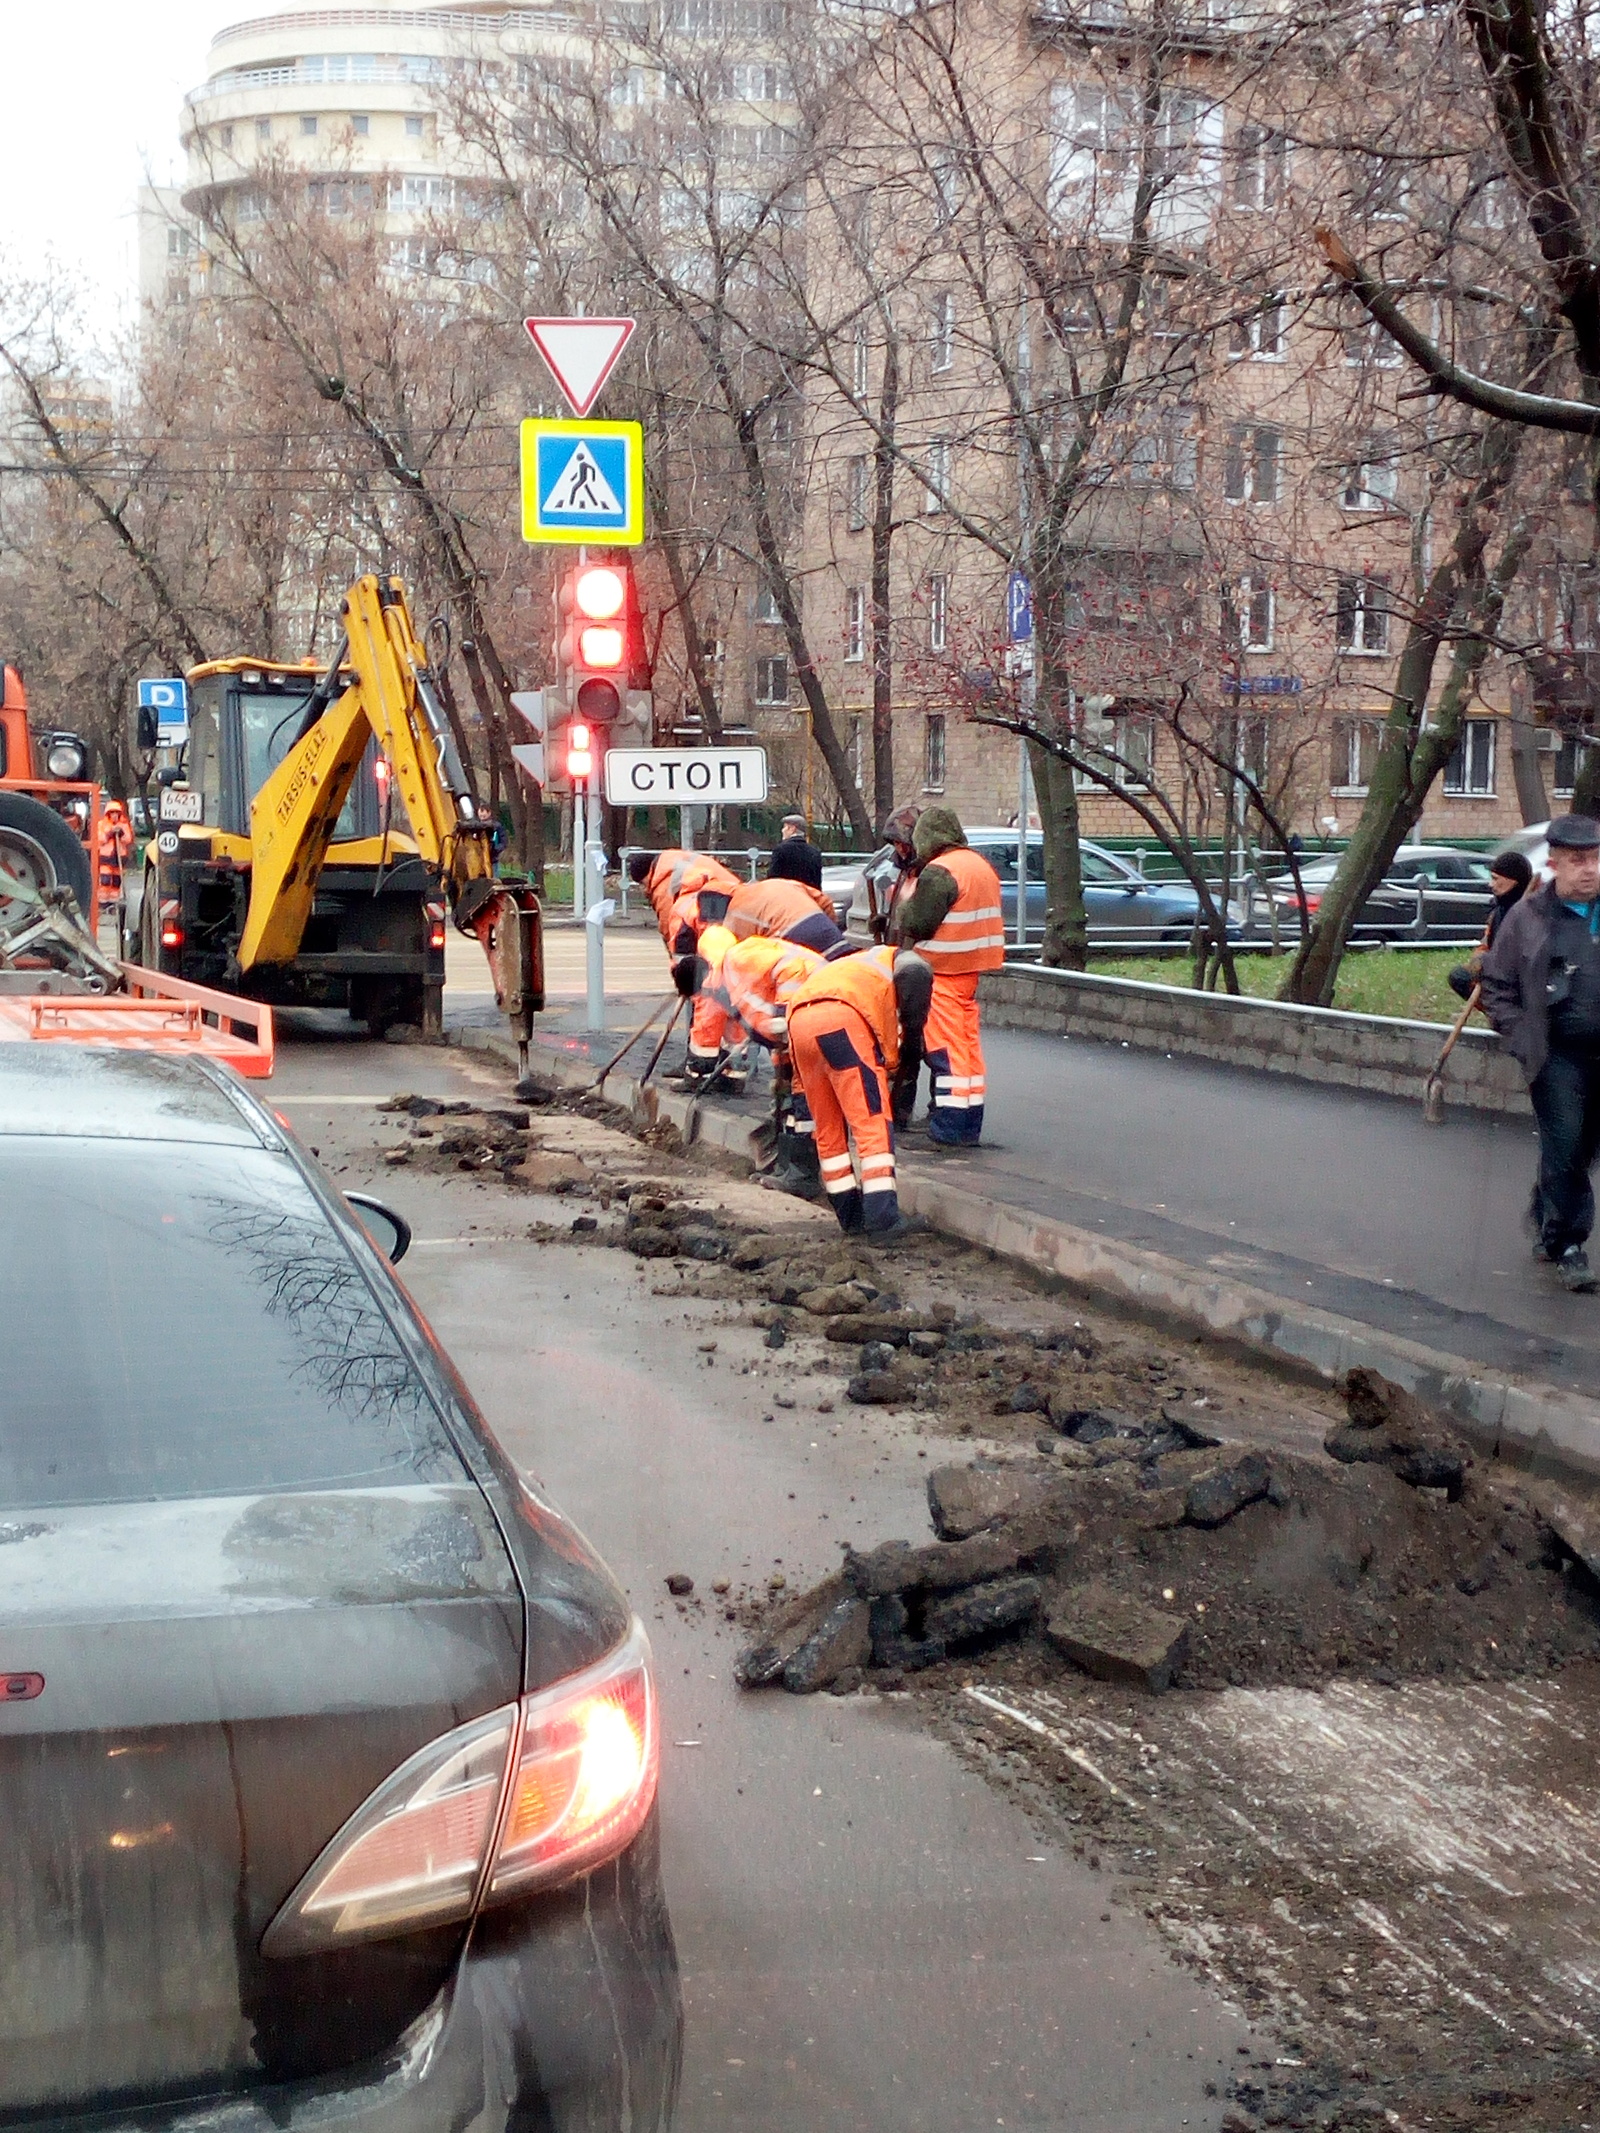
pixel 1512 866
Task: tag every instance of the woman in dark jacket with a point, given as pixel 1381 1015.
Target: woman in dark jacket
pixel 1509 876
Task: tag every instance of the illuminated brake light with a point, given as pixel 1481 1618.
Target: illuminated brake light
pixel 532 1794
pixel 171 925
pixel 436 936
pixel 586 1773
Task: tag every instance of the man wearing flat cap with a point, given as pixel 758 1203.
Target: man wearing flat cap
pixel 1541 990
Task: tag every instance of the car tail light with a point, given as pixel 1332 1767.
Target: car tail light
pixel 1313 903
pixel 535 1793
pixel 436 925
pixel 171 927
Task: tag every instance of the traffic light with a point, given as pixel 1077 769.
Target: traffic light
pixel 600 653
pixel 580 752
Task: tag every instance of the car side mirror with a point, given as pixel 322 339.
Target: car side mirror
pixel 147 730
pixel 390 1232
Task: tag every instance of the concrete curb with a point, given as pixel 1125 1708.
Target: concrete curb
pixel 1526 1421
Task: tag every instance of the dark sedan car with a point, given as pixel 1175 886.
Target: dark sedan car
pixel 328 1749
pixel 1430 891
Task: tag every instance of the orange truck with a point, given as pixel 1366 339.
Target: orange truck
pixel 49 806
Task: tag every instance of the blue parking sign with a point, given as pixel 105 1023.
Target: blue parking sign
pixel 169 700
pixel 1019 607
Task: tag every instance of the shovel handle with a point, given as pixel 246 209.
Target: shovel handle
pixel 1460 1024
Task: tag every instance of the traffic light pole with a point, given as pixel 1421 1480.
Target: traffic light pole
pixel 599 910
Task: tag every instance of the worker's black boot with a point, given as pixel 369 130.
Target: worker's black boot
pixel 847 1208
pixel 797 1171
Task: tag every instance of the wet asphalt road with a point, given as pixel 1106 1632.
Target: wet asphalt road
pixel 871 1938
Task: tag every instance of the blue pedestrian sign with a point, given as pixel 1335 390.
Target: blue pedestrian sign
pixel 1019 608
pixel 583 481
pixel 169 700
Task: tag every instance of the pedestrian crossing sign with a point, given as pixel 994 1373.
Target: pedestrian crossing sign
pixel 583 481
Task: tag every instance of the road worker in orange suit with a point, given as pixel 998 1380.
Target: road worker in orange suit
pixel 116 848
pixel 953 918
pixel 783 910
pixel 688 891
pixel 750 988
pixel 852 1025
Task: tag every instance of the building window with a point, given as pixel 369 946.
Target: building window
pixel 1251 463
pixel 1367 344
pixel 855 622
pixel 1379 186
pixel 177 242
pixel 1356 742
pixel 1163 451
pixel 414 126
pixel 937 487
pixel 360 123
pixel 1260 173
pixel 861 360
pixel 938 613
pixel 766 608
pixel 772 681
pixel 1569 757
pixel 227 136
pixel 1362 615
pixel 1470 770
pixel 263 129
pixel 856 495
pixel 1580 608
pixel 943 347
pixel 933 752
pixel 1254 615
pixel 1371 483
pixel 1258 336
pixel 422 192
pixel 308 123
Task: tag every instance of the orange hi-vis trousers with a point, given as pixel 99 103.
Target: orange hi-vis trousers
pixel 952 1047
pixel 846 1087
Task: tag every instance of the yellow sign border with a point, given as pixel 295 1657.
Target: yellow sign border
pixel 629 535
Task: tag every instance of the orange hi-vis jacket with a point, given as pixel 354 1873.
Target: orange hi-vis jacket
pixel 756 980
pixel 773 907
pixel 971 936
pixel 864 982
pixel 711 1027
pixel 675 880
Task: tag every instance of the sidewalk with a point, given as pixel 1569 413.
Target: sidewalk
pixel 1327 1227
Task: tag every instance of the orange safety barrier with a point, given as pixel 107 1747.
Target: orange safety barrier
pixel 155 1014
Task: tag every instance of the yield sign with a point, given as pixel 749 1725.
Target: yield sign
pixel 581 353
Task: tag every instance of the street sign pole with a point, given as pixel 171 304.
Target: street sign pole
pixel 599 910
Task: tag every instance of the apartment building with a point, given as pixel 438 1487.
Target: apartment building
pixel 1261 503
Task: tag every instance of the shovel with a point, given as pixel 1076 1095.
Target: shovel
pixel 1433 1091
pixel 617 1057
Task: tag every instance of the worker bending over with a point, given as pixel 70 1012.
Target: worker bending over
pixel 953 917
pixel 853 1023
pixel 749 989
pixel 783 910
pixel 688 891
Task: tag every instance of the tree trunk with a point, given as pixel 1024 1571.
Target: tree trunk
pixel 882 544
pixel 694 649
pixel 1532 804
pixel 1066 923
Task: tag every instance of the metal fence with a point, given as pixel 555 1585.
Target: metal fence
pixel 745 858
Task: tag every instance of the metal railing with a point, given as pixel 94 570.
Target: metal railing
pixel 747 857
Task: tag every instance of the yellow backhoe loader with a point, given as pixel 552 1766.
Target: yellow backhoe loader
pixel 304 899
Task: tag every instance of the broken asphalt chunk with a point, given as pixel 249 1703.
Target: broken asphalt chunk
pixel 1116 1637
pixel 986 1610
pixel 1215 1497
pixel 965 1499
pixel 842 1638
pixel 1389 1427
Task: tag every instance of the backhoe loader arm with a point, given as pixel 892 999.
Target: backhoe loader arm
pixel 293 816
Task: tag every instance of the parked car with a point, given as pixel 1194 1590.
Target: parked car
pixel 1430 891
pixel 328 1748
pixel 840 881
pixel 1121 903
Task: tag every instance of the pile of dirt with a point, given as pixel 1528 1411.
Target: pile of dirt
pixel 1149 1554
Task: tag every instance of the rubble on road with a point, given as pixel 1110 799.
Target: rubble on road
pixel 1164 1562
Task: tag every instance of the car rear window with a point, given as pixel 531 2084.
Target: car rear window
pixel 185 1321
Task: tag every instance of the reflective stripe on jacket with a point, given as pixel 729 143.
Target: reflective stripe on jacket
pixel 864 982
pixel 756 980
pixel 971 935
pixel 774 907
pixel 679 876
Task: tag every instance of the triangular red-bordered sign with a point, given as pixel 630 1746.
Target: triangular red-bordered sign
pixel 581 353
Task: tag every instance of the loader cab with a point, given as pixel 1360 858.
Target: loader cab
pixel 241 725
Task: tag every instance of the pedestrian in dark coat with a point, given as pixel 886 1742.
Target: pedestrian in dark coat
pixel 1509 876
pixel 1541 990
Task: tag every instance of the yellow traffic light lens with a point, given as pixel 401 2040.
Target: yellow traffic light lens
pixel 600 646
pixel 599 593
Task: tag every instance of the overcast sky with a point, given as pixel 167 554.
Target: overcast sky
pixel 91 100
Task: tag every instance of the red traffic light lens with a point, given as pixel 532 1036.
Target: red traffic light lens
pixel 599 594
pixel 600 646
pixel 577 737
pixel 580 762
